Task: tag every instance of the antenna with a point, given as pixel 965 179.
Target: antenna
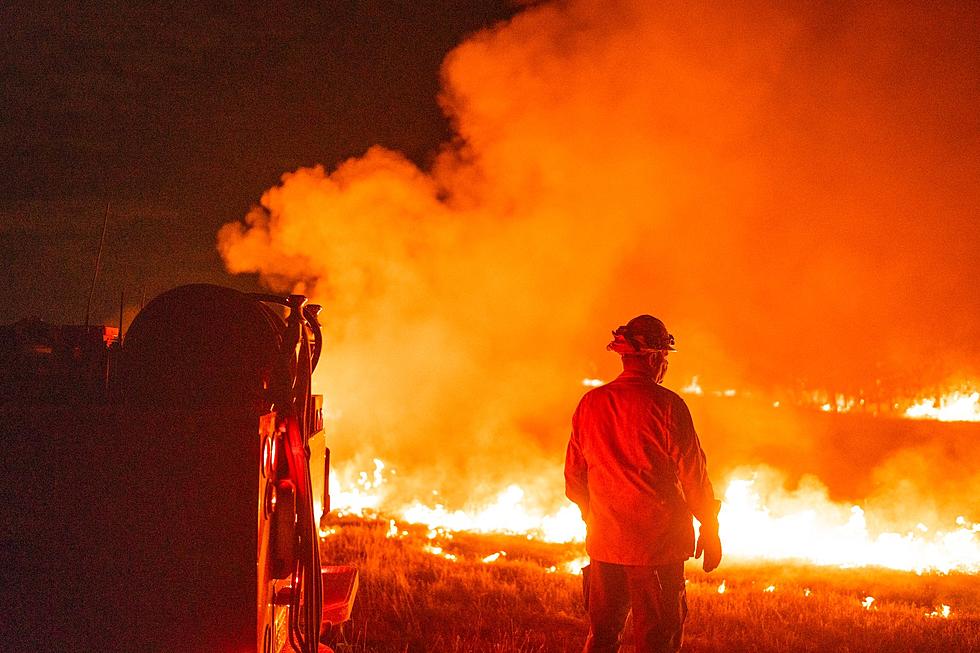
pixel 98 264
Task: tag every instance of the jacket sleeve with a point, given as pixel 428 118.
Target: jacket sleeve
pixel 691 465
pixel 576 471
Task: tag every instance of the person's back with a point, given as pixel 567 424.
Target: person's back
pixel 631 431
pixel 635 468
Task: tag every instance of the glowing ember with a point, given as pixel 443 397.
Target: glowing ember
pixel 575 566
pixel 722 588
pixel 433 533
pixel 393 530
pixel 868 602
pixel 438 551
pixel 771 588
pixel 943 611
pixel 952 407
pixel 693 388
pixel 493 557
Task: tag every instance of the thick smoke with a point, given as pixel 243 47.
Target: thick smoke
pixel 792 190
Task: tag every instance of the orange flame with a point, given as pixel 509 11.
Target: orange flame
pixel 951 407
pixel 758 520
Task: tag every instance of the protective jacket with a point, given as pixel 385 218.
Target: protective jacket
pixel 635 468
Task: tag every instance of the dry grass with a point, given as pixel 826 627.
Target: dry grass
pixel 414 601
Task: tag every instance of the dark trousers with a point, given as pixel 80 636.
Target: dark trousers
pixel 655 594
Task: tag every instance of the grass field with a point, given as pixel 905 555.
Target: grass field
pixel 432 592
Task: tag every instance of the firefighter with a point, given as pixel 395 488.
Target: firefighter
pixel 636 470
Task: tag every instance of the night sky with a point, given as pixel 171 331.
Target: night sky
pixel 180 117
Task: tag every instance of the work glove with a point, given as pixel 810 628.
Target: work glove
pixel 710 545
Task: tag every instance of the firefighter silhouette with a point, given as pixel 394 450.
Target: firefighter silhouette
pixel 636 470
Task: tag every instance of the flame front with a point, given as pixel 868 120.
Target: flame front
pixel 811 528
pixel 952 407
pixel 759 521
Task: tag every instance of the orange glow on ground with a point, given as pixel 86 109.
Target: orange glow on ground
pixel 759 521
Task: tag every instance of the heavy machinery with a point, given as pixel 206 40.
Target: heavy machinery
pixel 170 505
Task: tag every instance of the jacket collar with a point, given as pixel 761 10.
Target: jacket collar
pixel 632 375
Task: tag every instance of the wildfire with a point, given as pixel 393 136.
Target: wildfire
pixel 393 531
pixel 943 611
pixel 475 246
pixel 811 528
pixel 438 551
pixel 758 520
pixel 362 495
pixel 954 405
pixel 575 566
pixel 693 388
pixel 951 407
pixel 508 513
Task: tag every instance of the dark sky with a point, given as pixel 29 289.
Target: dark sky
pixel 180 118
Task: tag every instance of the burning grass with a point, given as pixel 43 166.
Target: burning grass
pixel 431 591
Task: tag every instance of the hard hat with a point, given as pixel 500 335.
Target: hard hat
pixel 641 335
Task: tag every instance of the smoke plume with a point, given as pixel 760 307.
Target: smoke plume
pixel 791 189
